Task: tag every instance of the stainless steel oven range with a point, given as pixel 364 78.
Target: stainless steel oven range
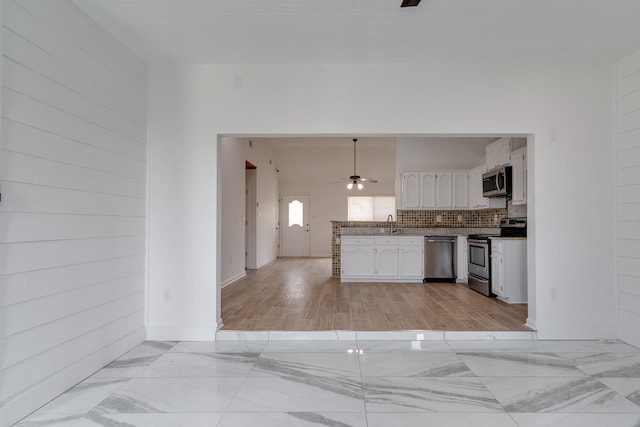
pixel 479 264
pixel 479 247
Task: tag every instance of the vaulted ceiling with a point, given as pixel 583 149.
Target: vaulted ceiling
pixel 371 31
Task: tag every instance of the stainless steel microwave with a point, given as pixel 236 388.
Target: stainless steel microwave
pixel 497 182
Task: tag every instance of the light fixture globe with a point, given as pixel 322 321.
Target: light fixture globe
pixel 350 186
pixel 360 186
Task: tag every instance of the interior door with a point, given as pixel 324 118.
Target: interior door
pixel 294 225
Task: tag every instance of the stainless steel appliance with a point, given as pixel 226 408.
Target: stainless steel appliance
pixel 439 259
pixel 479 252
pixel 479 265
pixel 497 182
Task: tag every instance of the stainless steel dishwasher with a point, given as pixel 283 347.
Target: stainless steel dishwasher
pixel 439 259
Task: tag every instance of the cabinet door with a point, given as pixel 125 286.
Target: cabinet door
pixel 428 189
pixel 358 261
pixel 386 261
pixel 519 178
pixel 460 190
pixel 497 274
pixel 411 261
pixel 492 155
pixel 504 151
pixel 463 260
pixel 411 190
pixel 475 188
pixel 444 189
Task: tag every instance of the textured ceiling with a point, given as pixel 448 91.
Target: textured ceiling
pixel 371 31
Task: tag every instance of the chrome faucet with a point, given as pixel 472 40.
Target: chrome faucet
pixel 390 222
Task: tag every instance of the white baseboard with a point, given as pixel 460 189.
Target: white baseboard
pixel 233 279
pixel 530 323
pixel 269 261
pixel 262 264
pixel 181 333
pixel 18 407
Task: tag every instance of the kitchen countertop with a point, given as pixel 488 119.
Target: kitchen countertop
pixel 378 231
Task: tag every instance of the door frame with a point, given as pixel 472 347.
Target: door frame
pixel 250 238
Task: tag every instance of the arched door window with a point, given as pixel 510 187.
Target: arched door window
pixel 296 213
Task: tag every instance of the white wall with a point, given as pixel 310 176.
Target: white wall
pixel 72 218
pixel 628 195
pixel 190 106
pixel 420 154
pixel 235 151
pixel 313 169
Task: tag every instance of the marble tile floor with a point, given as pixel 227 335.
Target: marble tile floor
pixel 358 382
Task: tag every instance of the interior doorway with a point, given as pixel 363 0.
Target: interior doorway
pixel 279 225
pixel 295 231
pixel 250 234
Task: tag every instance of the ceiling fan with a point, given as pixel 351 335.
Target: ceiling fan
pixel 355 179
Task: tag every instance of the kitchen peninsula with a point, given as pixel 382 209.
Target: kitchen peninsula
pixel 412 223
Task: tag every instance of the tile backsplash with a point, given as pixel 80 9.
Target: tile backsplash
pixel 450 218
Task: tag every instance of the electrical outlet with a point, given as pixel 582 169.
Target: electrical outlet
pixel 554 294
pixel 495 218
pixel 166 295
pixel 230 260
pixel 439 218
pixel 459 218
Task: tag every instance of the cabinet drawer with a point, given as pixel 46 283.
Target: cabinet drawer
pixel 412 241
pixel 386 241
pixel 358 240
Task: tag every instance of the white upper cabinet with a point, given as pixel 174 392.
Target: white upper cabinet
pixel 492 155
pixel 444 189
pixel 519 176
pixel 498 153
pixel 435 190
pixel 461 190
pixel 411 190
pixel 476 201
pixel 428 190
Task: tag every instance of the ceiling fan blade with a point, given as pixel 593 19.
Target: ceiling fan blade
pixel 369 180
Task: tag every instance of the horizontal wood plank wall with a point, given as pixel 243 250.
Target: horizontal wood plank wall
pixel 628 178
pixel 73 210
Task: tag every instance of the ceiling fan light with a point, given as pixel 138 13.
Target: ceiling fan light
pixel 360 186
pixel 350 186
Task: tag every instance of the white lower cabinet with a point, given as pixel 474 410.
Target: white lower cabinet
pixel 382 259
pixel 358 257
pixel 462 255
pixel 509 269
pixel 411 258
pixel 386 257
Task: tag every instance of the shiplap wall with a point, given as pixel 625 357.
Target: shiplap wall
pixel 628 170
pixel 73 210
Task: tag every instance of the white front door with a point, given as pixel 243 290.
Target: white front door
pixel 295 225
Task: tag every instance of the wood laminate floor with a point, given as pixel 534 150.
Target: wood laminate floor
pixel 300 294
